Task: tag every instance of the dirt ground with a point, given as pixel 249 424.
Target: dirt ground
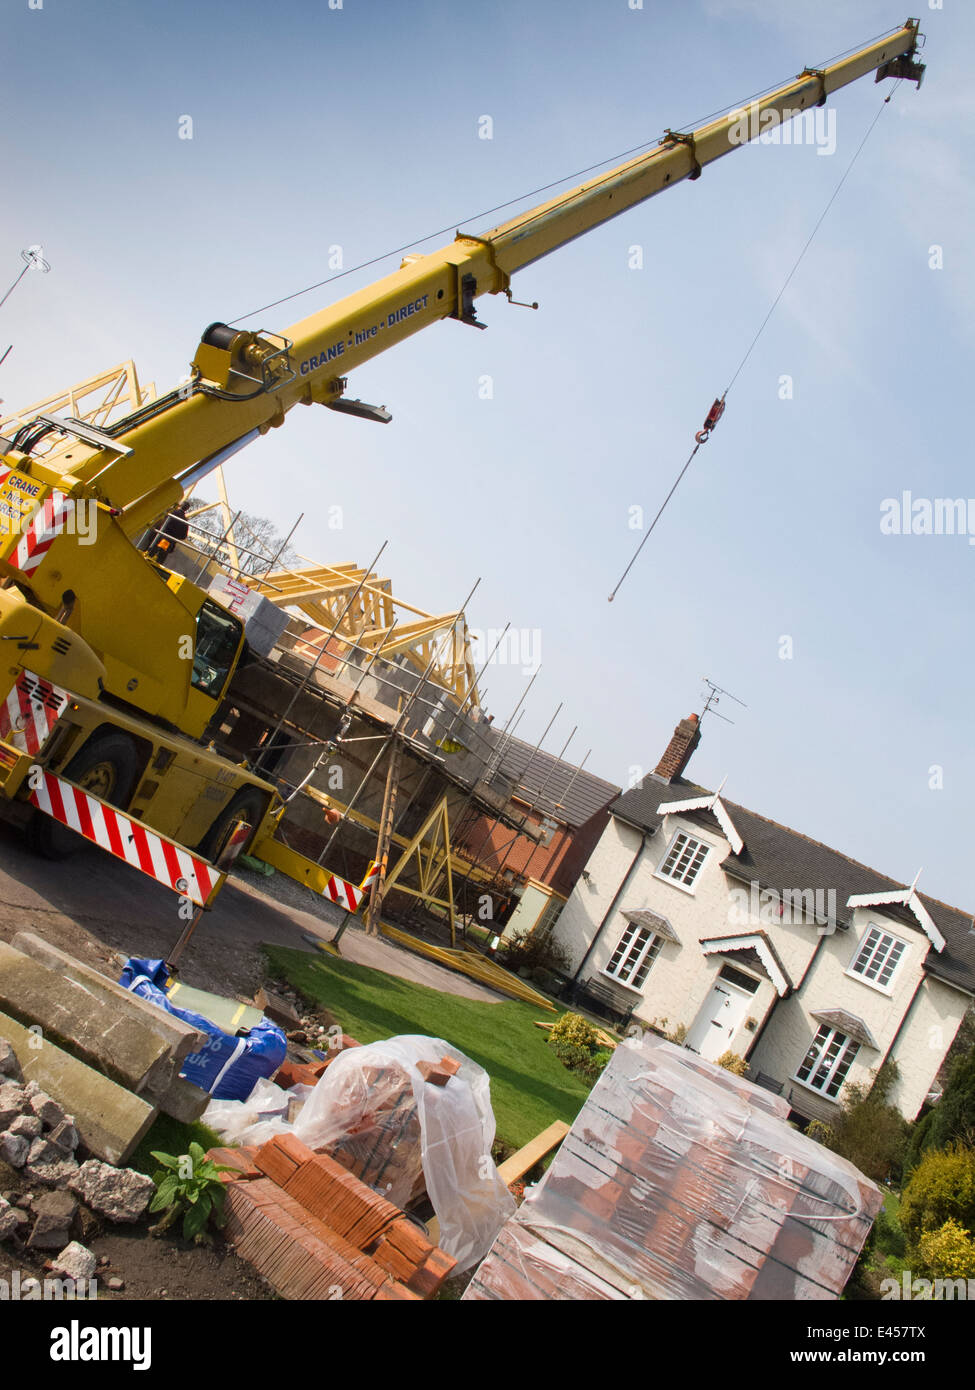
pixel 159 1270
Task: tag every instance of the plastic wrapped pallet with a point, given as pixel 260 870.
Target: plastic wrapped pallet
pixel 681 1181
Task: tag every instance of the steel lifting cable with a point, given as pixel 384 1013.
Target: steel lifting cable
pixel 717 409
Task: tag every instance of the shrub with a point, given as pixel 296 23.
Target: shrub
pixel 888 1234
pixel 573 1028
pixel 869 1131
pixel 948 1253
pixel 535 951
pixel 733 1063
pixel 941 1189
pixel 952 1120
pixel 677 1034
pixel 575 1042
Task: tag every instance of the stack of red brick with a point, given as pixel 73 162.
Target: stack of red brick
pixel 293 1072
pixel 316 1232
pixel 680 1181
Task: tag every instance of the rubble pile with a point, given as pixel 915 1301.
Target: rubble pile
pixel 49 1200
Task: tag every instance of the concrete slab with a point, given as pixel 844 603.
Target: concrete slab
pixel 181 1037
pixel 109 1119
pixel 112 1040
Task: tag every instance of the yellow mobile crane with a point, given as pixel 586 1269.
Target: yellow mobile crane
pixel 112 666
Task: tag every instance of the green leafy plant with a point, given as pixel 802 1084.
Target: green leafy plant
pixel 573 1028
pixel 575 1042
pixel 189 1185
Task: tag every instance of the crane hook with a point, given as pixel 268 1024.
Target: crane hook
pixel 712 418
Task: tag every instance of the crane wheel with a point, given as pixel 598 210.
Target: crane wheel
pixel 248 804
pixel 107 767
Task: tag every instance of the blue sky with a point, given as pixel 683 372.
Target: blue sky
pixel 359 127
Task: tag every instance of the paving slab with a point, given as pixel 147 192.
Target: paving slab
pixel 109 1119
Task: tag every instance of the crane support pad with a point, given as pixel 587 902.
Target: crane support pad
pixel 160 858
pixel 288 861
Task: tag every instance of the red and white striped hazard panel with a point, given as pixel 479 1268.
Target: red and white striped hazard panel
pixel 372 873
pixel 30 712
pixel 41 532
pixel 342 892
pixel 162 859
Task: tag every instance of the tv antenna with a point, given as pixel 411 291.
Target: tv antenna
pixel 715 692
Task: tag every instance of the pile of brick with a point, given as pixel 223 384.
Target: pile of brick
pixel 681 1181
pixel 315 1231
pixel 384 1146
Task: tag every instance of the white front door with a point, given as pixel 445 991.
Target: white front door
pixel 723 1010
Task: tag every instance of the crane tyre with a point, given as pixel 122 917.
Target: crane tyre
pixel 107 767
pixel 248 804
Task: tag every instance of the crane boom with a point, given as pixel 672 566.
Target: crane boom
pixel 245 382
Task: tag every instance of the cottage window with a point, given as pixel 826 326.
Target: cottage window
pixel 828 1060
pixel 877 957
pixel 631 961
pixel 684 858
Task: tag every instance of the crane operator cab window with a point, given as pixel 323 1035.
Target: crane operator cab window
pixel 218 637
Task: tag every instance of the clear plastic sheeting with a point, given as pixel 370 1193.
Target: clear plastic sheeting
pixel 375 1114
pixel 679 1180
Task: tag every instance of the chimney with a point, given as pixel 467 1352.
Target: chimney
pixel 678 752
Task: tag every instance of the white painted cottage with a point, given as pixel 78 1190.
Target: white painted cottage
pixel 695 911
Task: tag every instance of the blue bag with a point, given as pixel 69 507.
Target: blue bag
pixel 227 1068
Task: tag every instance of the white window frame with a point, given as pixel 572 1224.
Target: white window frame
pixel 883 935
pixel 646 955
pixel 677 882
pixel 824 1037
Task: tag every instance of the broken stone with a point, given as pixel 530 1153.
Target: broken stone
pixel 14 1149
pixel 64 1136
pixel 116 1284
pixel 9 1066
pixel 47 1110
pixel 75 1262
pixel 53 1214
pixel 120 1194
pixel 47 1164
pixel 27 1126
pixel 13 1102
pixel 9 1223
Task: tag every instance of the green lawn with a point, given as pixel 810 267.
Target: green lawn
pixel 529 1085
